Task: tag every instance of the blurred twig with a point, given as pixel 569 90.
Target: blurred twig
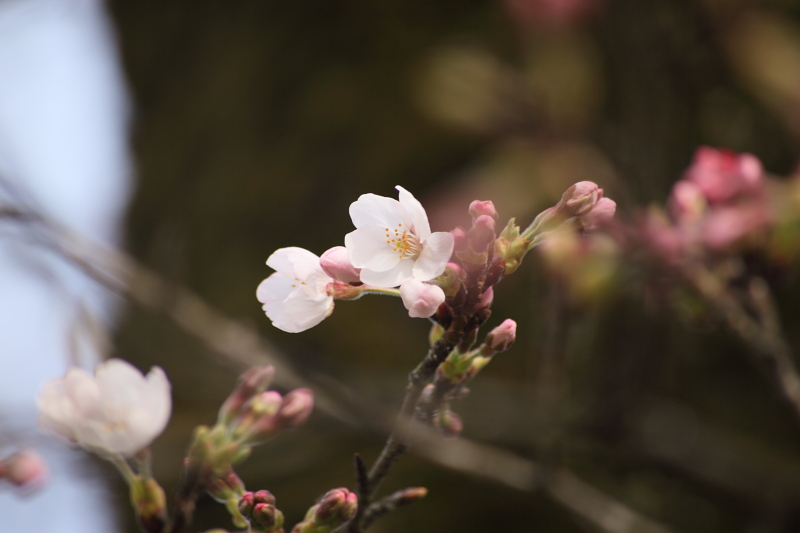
pixel 761 333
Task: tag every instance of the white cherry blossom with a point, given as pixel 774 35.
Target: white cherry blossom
pixel 393 242
pixel 116 411
pixel 299 295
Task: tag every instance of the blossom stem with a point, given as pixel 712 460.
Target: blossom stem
pixel 123 467
pixel 379 290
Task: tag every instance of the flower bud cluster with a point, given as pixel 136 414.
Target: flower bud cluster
pixel 335 508
pixel 248 416
pixel 259 511
pixel 461 367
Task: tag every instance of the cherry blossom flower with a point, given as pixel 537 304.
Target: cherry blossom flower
pixel 421 299
pixel 721 174
pixel 116 411
pixel 299 295
pixel 393 242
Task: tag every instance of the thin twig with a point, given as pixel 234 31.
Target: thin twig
pixel 764 338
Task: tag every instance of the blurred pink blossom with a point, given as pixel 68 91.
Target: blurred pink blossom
pixel 721 174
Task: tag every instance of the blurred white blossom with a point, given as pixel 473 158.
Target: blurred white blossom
pixel 116 411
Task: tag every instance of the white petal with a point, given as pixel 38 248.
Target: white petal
pixel 159 399
pixel 367 248
pixel 301 313
pixel 285 258
pixel 378 210
pixel 82 391
pixel 273 292
pixel 56 412
pixel 436 252
pixel 121 385
pixel 419 218
pixel 389 278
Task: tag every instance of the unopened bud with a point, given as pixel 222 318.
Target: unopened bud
pixel 250 383
pixel 150 503
pixel 258 508
pixel 511 247
pixel 581 198
pixel 500 338
pixel 451 280
pixel 420 298
pixel 336 507
pixel 336 263
pixel 482 233
pixel 577 201
pixel 257 420
pixel 479 208
pixel 228 485
pixel 411 495
pixel 460 242
pixel 25 469
pixel 435 334
pixel 296 408
pixel 602 214
pixel 486 298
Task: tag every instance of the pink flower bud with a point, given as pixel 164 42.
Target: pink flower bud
pixel 603 212
pixel 487 298
pixel 336 507
pixel 337 265
pixel 722 174
pixel 296 408
pixel 258 508
pixel 486 207
pixel 501 338
pixel 481 235
pixel 421 299
pixel 457 270
pixel 581 198
pixel 258 419
pixel 26 469
pixel 250 383
pixel 460 242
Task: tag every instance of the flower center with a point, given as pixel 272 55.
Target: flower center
pixel 405 243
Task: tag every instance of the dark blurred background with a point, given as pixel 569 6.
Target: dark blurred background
pixel 257 123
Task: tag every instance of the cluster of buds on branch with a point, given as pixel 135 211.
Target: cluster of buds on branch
pixel 335 508
pixel 448 277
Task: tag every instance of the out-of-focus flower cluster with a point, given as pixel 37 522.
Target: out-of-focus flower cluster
pixel 720 205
